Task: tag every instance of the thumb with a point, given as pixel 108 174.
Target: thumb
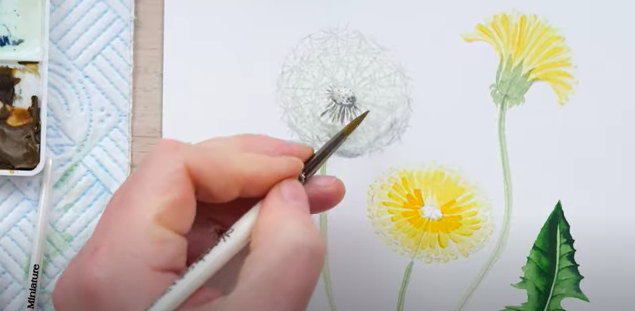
pixel 285 258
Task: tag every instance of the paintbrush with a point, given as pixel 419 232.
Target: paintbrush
pixel 239 235
pixel 39 240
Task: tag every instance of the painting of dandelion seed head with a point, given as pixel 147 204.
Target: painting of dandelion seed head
pixel 430 213
pixel 334 75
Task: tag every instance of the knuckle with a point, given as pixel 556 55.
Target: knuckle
pixel 239 175
pixel 167 154
pixel 168 146
pixel 231 191
pixel 166 162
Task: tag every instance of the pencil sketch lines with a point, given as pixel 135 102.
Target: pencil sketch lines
pixel 329 78
pixel 334 75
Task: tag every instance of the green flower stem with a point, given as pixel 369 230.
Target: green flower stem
pixel 326 271
pixel 404 285
pixel 504 233
pixel 407 273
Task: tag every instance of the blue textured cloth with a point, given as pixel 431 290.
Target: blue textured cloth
pixel 88 137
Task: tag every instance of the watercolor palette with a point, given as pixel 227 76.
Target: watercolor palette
pixel 23 85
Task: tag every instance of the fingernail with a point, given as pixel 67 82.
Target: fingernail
pixel 323 181
pixel 293 192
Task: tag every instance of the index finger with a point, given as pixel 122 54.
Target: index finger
pixel 138 247
pixel 179 174
pixel 261 144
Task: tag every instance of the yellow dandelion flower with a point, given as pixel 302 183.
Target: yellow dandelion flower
pixel 429 213
pixel 529 50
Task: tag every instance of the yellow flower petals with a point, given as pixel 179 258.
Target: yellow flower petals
pixel 436 215
pixel 532 43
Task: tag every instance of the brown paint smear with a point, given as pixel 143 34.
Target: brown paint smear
pixel 7 85
pixel 19 127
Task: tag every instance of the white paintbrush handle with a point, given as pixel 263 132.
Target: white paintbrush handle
pixel 39 241
pixel 232 242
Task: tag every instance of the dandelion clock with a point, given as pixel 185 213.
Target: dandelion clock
pixel 329 78
pixel 333 76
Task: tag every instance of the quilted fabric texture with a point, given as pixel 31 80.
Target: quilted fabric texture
pixel 88 138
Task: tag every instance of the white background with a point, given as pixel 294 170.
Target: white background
pixel 222 59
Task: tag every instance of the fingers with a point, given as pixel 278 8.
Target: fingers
pixel 286 250
pixel 238 174
pixel 324 193
pixel 259 144
pixel 138 247
pixel 175 173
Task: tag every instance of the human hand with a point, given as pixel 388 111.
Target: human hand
pixel 169 211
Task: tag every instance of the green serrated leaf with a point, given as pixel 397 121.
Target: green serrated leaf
pixel 551 273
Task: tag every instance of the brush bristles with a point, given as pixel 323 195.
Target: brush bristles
pixel 350 127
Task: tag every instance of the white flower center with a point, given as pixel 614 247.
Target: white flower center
pixel 342 96
pixel 430 209
pixel 342 105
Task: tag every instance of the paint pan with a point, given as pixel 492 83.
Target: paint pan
pixel 23 85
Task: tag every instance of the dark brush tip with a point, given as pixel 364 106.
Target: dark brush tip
pixel 351 126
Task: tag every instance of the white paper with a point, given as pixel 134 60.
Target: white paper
pixel 223 60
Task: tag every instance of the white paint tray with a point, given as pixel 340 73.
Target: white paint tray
pixel 24 57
